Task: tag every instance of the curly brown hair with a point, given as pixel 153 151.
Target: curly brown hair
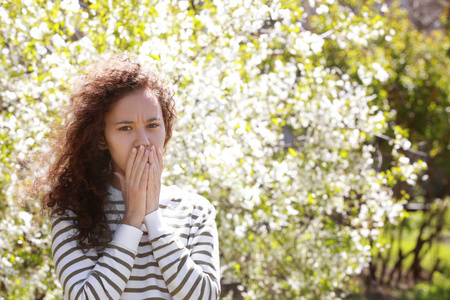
pixel 78 178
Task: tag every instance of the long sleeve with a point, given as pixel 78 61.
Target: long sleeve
pixel 81 275
pixel 189 273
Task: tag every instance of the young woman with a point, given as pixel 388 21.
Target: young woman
pixel 117 232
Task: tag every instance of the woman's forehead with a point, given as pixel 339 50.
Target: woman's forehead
pixel 137 105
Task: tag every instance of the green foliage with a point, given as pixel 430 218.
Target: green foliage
pixel 439 250
pixel 438 289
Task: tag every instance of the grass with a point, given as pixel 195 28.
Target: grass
pixel 439 288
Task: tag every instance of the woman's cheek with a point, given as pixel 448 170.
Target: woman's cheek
pixel 119 158
pixel 125 157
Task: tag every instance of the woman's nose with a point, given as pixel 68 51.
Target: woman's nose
pixel 142 139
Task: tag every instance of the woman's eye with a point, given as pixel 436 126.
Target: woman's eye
pixel 152 125
pixel 125 128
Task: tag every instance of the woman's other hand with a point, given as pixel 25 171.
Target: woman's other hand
pixel 154 180
pixel 134 186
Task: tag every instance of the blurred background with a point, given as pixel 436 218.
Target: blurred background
pixel 319 130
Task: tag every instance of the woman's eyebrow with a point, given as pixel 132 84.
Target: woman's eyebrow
pixel 131 122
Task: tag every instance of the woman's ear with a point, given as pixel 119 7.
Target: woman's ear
pixel 102 144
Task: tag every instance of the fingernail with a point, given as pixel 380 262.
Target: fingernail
pixel 134 150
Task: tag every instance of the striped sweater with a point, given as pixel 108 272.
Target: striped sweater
pixel 174 255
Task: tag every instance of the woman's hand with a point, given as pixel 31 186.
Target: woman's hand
pixel 134 186
pixel 154 180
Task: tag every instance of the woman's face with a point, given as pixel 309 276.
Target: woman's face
pixel 134 120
